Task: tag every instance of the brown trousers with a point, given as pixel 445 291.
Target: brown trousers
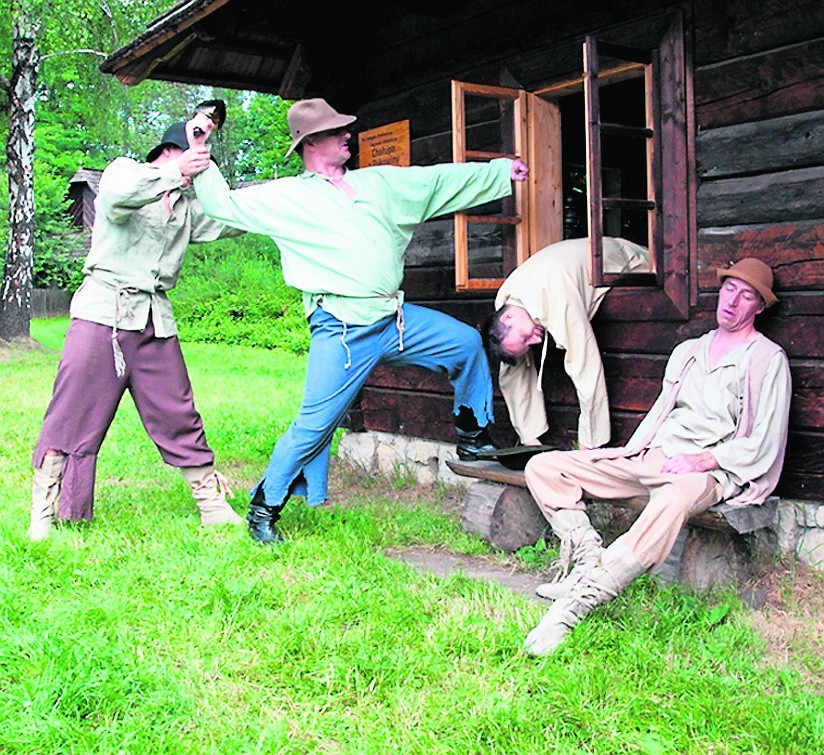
pixel 561 479
pixel 86 396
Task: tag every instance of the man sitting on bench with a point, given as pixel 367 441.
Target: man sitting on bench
pixel 718 430
pixel 549 299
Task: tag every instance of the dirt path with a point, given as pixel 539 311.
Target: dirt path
pixel 445 564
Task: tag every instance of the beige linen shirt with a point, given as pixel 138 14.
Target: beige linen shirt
pixel 554 287
pixel 143 225
pixel 708 410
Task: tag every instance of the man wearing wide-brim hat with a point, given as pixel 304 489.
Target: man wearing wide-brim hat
pixel 718 430
pixel 342 236
pixel 123 337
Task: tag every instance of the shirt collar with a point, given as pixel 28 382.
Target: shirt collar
pixel 321 176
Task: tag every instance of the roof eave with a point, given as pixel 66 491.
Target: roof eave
pixel 135 61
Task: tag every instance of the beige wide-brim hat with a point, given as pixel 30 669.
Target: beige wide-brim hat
pixel 311 117
pixel 755 272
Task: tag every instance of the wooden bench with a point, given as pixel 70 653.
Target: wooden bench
pixel 712 549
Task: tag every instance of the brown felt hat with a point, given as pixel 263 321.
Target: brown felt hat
pixel 755 272
pixel 311 117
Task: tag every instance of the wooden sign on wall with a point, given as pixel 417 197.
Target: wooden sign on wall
pixel 385 145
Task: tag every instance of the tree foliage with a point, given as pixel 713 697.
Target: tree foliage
pixel 84 119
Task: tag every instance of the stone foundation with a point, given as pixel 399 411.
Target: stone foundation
pixel 390 454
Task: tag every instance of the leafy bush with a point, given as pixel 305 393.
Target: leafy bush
pixel 56 267
pixel 232 291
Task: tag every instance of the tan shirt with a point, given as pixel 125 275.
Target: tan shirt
pixel 143 225
pixel 708 410
pixel 553 287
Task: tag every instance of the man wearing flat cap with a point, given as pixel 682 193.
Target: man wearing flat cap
pixel 342 236
pixel 718 430
pixel 123 336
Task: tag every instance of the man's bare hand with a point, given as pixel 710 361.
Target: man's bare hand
pixel 193 161
pixel 687 463
pixel 198 130
pixel 520 170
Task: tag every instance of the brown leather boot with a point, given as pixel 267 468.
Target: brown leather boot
pixel 210 489
pixel 45 491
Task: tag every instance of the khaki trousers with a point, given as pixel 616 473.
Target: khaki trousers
pixel 561 479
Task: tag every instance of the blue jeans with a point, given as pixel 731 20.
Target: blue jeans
pixel 340 360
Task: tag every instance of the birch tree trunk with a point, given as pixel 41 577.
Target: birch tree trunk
pixel 15 294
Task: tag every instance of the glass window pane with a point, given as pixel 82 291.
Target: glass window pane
pixel 623 102
pixel 489 124
pixel 628 224
pixel 624 166
pixel 576 207
pixel 491 250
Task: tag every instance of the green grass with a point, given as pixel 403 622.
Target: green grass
pixel 144 633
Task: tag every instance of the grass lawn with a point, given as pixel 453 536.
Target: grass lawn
pixel 144 633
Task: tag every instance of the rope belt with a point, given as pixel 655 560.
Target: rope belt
pixel 122 298
pixel 399 324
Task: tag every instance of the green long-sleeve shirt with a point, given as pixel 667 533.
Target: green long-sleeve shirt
pixel 347 254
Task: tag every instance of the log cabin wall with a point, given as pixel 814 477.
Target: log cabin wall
pixel 757 76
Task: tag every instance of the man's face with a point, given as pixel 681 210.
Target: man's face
pixel 523 331
pixel 167 155
pixel 333 146
pixel 738 304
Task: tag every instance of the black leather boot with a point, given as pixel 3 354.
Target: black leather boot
pixel 472 442
pixel 472 439
pixel 262 518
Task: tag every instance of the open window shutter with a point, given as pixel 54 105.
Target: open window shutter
pixel 595 128
pixel 515 140
pixel 668 185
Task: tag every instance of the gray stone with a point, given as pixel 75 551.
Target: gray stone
pixel 764 543
pixel 744 519
pixel 786 529
pixel 810 548
pixel 391 454
pixel 806 513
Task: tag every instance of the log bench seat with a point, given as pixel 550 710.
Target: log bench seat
pixel 712 549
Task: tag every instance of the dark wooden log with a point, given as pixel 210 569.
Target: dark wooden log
pixel 478 506
pixel 770 198
pixel 492 471
pixel 788 142
pixel 497 31
pixel 796 323
pixel 768 85
pixel 807 408
pixel 796 253
pixel 428 283
pixel 714 559
pixel 742 27
pixel 516 521
pixel 722 517
pixel 633 381
pixel 506 517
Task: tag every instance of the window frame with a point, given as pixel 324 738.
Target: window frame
pixel 460 154
pixel 665 293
